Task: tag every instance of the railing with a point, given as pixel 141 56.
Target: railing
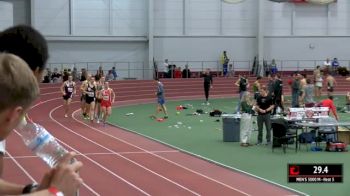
pixel 301 65
pixel 141 70
pixel 124 70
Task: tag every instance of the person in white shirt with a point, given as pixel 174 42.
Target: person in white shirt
pixel 327 65
pixel 166 68
pixel 327 62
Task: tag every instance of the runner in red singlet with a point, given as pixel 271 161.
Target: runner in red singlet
pixel 108 97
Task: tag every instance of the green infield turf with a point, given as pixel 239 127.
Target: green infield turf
pixel 202 135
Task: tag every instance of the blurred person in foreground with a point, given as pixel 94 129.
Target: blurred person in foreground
pixel 23 89
pixel 28 44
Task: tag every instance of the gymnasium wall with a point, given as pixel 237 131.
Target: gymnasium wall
pixel 307 32
pixel 21 11
pixel 129 55
pixel 187 30
pixel 6 10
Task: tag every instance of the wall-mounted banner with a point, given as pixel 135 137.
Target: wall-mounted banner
pixel 233 1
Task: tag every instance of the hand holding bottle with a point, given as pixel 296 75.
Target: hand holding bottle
pixel 65 176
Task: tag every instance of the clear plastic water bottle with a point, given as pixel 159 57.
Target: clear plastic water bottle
pixel 278 110
pixel 41 142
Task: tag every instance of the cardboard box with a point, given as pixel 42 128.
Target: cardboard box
pixel 344 135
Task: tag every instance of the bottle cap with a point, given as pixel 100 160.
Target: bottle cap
pixel 23 123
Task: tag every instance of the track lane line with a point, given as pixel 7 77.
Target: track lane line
pixel 84 184
pixel 101 153
pixel 237 170
pixel 20 166
pixel 107 170
pixel 123 157
pixel 169 161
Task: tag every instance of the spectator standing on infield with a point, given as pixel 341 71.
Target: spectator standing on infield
pixel 318 81
pixel 271 85
pixel 308 94
pixel 243 85
pixel 278 92
pixel 331 82
pixel 264 106
pixel 302 89
pixel 256 87
pixel 246 104
pixel 208 84
pixel 296 90
pixel 161 99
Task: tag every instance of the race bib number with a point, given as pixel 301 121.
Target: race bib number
pixel 106 98
pixel 91 94
pixel 70 90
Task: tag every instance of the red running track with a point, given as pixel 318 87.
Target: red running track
pixel 118 162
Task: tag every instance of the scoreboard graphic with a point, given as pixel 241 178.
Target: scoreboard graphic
pixel 315 173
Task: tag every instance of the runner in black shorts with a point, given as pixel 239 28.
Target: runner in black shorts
pixel 99 88
pixel 67 89
pixel 83 97
pixel 90 92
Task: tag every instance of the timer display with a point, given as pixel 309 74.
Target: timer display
pixel 315 173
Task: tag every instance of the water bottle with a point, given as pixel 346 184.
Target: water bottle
pixel 278 110
pixel 41 142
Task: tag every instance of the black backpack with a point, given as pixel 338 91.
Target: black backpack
pixel 307 137
pixel 215 113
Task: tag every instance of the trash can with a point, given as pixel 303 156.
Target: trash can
pixel 231 127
